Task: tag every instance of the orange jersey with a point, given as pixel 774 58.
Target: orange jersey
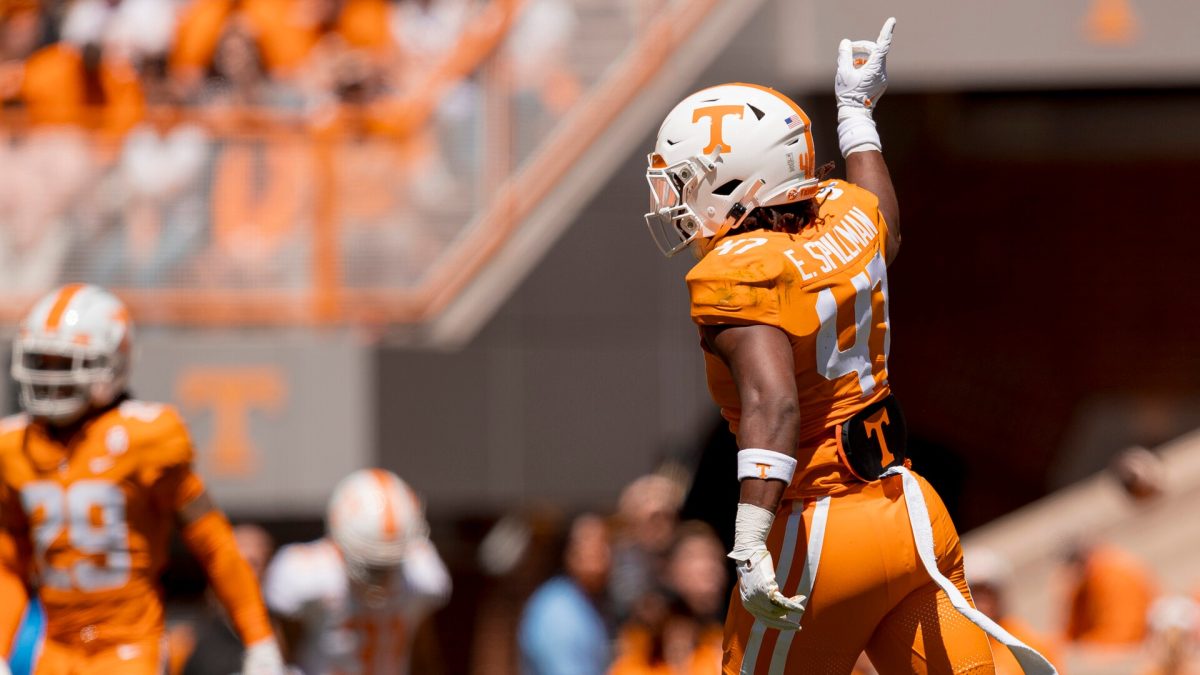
pixel 97 514
pixel 826 287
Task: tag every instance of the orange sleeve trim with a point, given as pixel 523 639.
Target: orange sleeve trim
pixel 211 540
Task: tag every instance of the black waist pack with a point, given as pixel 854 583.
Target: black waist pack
pixel 874 440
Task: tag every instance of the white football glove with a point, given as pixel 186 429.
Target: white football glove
pixel 860 82
pixel 756 571
pixel 4 667
pixel 263 658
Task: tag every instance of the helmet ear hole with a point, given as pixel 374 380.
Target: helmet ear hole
pixel 727 188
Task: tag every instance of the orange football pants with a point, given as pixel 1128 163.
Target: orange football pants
pixel 871 593
pixel 142 657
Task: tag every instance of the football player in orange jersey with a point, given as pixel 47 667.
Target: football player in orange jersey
pixel 91 482
pixel 791 298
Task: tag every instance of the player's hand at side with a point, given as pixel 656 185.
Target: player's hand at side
pixel 263 658
pixel 760 592
pixel 862 70
pixel 756 571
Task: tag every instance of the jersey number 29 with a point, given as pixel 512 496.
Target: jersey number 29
pixel 92 514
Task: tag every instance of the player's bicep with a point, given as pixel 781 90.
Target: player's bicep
pixel 759 358
pixel 762 364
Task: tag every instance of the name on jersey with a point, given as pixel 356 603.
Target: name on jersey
pixel 837 248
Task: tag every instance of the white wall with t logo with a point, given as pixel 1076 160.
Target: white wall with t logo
pixel 277 417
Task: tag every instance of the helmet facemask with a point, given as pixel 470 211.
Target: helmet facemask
pixel 60 382
pixel 673 223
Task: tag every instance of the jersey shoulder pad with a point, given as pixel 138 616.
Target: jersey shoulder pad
pixel 741 280
pixel 300 574
pixel 156 432
pixel 11 429
pixel 839 197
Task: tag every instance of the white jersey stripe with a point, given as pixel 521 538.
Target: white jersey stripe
pixel 1032 663
pixel 808 579
pixel 782 570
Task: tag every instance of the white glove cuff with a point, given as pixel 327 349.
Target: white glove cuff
pixel 856 131
pixel 765 464
pixel 750 530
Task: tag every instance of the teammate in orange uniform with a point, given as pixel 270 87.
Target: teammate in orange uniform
pixel 90 484
pixel 791 297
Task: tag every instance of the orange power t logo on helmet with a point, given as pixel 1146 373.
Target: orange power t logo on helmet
pixel 717 114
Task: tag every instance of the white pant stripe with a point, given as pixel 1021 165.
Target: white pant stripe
pixel 808 579
pixel 782 570
pixel 1031 661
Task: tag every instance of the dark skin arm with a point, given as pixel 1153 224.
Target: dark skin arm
pixel 760 359
pixel 868 170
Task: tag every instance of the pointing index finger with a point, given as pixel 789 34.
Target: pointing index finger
pixel 885 34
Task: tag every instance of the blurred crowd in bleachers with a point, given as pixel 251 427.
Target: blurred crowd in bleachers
pixel 201 143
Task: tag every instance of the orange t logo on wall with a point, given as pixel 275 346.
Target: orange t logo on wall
pixel 716 113
pixel 231 392
pixel 874 425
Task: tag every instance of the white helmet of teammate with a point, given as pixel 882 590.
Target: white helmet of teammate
pixel 72 352
pixel 373 516
pixel 721 153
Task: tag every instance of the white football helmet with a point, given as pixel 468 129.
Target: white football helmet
pixel 373 516
pixel 72 353
pixel 721 153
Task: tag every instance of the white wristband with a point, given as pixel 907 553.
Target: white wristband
pixel 765 464
pixel 856 131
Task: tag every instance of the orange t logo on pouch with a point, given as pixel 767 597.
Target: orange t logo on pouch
pixel 874 425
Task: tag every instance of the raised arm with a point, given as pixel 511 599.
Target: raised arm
pixel 861 81
pixel 760 360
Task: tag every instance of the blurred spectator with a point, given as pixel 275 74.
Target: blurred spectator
pixel 646 516
pixel 285 31
pixel 1141 474
pixel 562 631
pixel 217 649
pixel 539 44
pixel 667 638
pixel 989 576
pixel 235 81
pixel 545 83
pixel 22 30
pixel 680 631
pixel 42 175
pixel 1110 595
pixel 160 176
pixel 426 32
pixel 90 77
pixel 698 574
pixel 1174 621
pixel 81 85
